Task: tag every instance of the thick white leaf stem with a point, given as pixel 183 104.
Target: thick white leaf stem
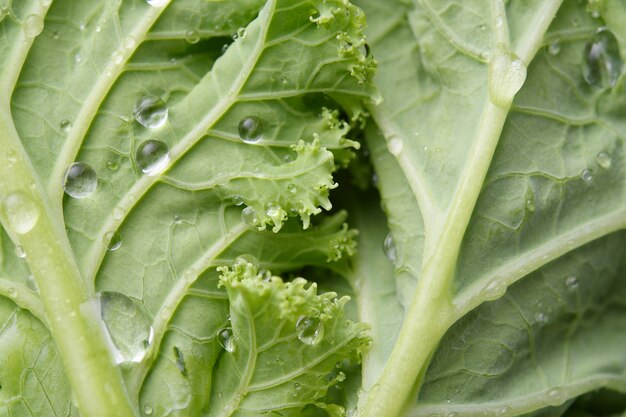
pixel 70 308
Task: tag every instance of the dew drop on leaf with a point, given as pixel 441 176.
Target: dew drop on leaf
pixel 237 200
pixel 292 189
pixel 80 180
pixel 603 62
pixel 151 112
pixel 310 330
pixel 31 283
pixel 147 410
pixel 129 327
pixel 251 129
pixel 192 36
pixel 273 211
pixel 604 160
pixel 389 248
pixel 19 252
pixel 152 157
pixel 554 48
pixel 250 216
pixel 571 282
pixel 33 26
pixel 586 175
pixel 226 339
pixel 21 211
pixel 113 240
pixel 395 145
pixel 65 125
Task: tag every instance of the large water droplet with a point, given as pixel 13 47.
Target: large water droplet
pixel 129 327
pixel 113 240
pixel 604 160
pixel 33 26
pixel 151 112
pixel 389 248
pixel 152 157
pixel 603 62
pixel 310 330
pixel 250 216
pixel 226 339
pixel 251 129
pixel 506 75
pixel 147 410
pixel 21 211
pixel 80 180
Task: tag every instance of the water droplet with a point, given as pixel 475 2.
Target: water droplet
pixel 151 112
pixel 21 211
pixel 554 48
pixel 192 36
pixel 31 283
pixel 20 252
pixel 506 75
pixel 571 282
pixel 586 175
pixel 147 410
pixel 129 327
pixel 152 157
pixel 241 32
pixel 395 145
pixel 12 292
pixel 117 57
pixel 530 204
pixel 310 330
pixel 603 62
pixel 250 216
pixel 80 180
pixel 292 189
pixel 226 339
pixel 237 200
pixel 113 165
pixel 78 58
pixel 33 26
pixel 273 211
pixel 541 318
pixel 389 248
pixel 604 160
pixel 113 241
pixel 251 129
pixel 157 3
pixel 65 125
